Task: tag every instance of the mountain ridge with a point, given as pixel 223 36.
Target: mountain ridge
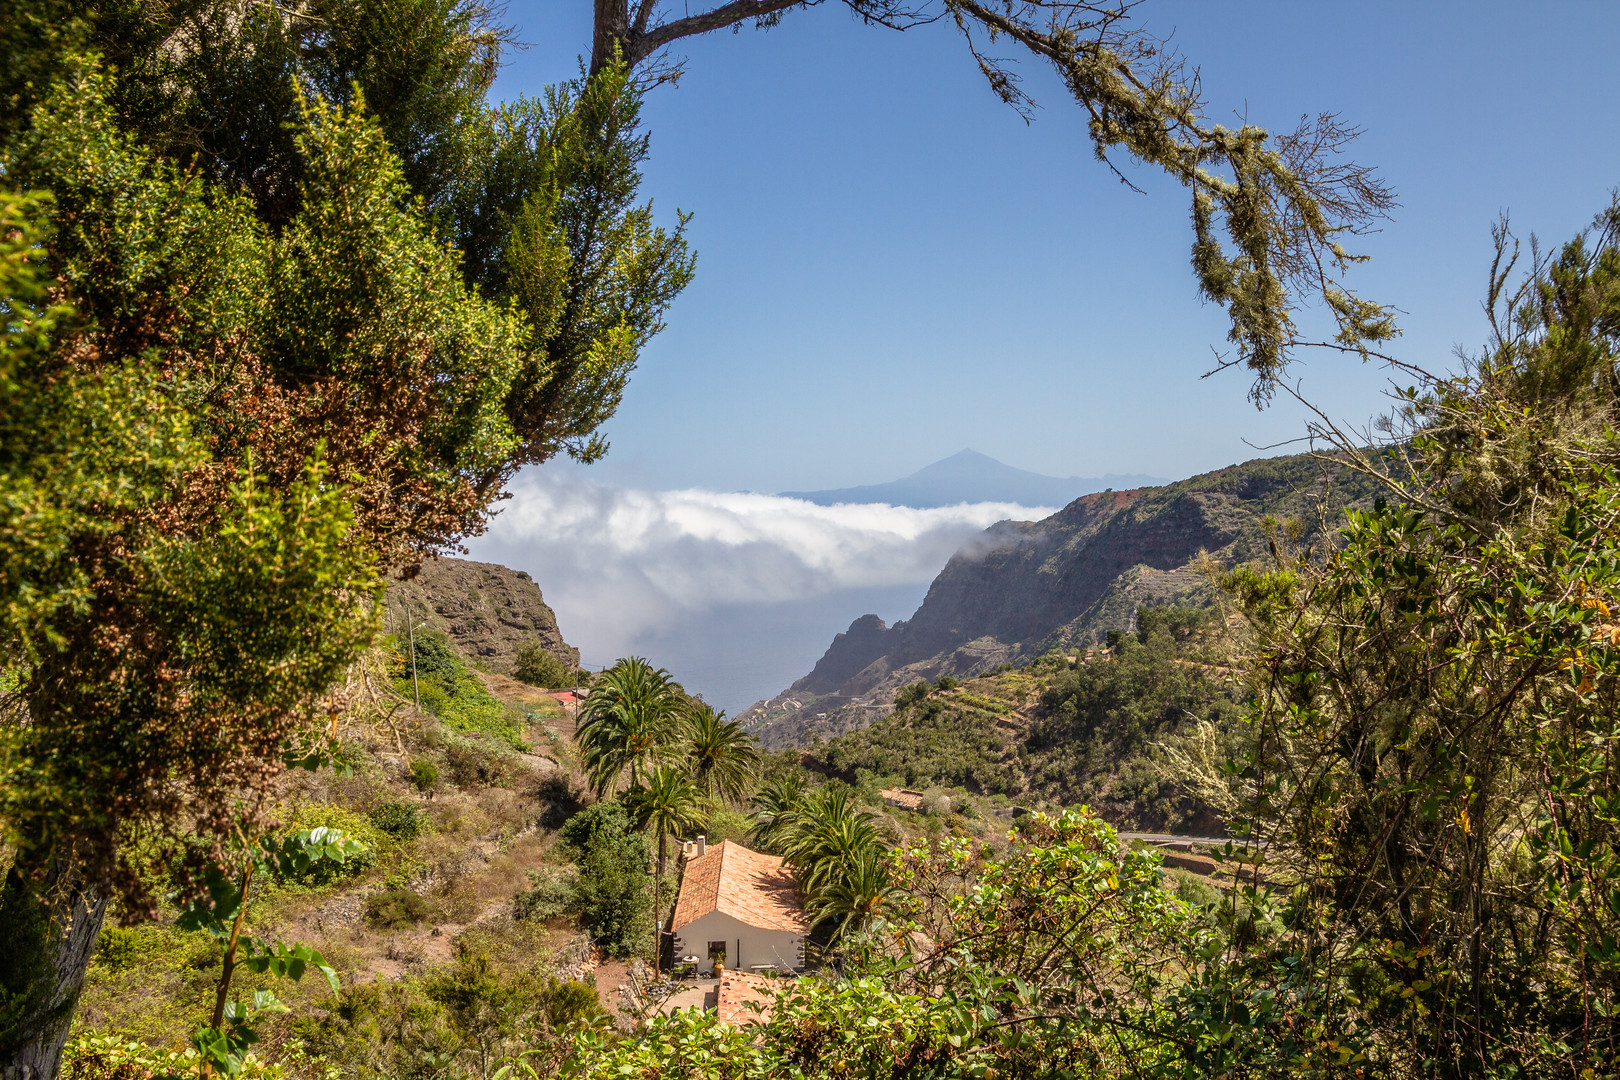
pixel 488 610
pixel 1023 588
pixel 971 477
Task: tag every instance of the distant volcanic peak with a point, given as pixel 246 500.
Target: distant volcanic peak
pixel 970 477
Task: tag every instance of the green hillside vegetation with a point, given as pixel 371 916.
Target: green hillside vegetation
pixel 539 666
pixel 1066 583
pixel 1070 729
pixel 462 929
pixel 288 300
pixel 448 688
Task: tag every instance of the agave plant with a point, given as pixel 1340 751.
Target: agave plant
pixel 632 718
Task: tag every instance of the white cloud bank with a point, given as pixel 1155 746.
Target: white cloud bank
pixel 616 563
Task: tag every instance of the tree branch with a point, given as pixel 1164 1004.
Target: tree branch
pixel 643 45
pixel 1269 211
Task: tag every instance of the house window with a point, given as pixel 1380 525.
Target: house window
pixel 717 952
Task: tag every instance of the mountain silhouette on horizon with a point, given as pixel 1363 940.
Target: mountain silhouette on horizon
pixel 972 477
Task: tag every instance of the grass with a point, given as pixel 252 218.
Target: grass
pixel 463 848
pixel 449 689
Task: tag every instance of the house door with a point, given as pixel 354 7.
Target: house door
pixel 717 952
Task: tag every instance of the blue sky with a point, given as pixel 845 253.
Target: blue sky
pixel 893 265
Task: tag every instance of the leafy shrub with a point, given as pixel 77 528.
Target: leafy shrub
pixel 353 826
pixel 551 894
pixel 603 824
pixel 460 1020
pixel 393 909
pixel 938 742
pixel 107 1057
pixel 1195 890
pixel 350 757
pixel 538 666
pixel 615 901
pixel 570 1003
pixel 1175 621
pixel 424 774
pixel 401 820
pixel 116 947
pixel 476 763
pixel 907 696
pixel 436 661
pixel 726 823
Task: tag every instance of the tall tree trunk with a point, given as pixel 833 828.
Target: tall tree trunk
pixel 658 912
pixel 611 30
pixel 48 929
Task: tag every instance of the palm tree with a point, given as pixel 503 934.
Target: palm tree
pixel 723 758
pixel 861 896
pixel 632 717
pixel 822 834
pixel 774 804
pixel 670 803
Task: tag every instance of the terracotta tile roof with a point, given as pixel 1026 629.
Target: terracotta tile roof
pixel 753 888
pixel 902 797
pixel 738 990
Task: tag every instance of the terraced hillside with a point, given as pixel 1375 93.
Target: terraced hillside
pixel 1083 727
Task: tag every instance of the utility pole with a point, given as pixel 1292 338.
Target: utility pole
pixel 658 923
pixel 410 620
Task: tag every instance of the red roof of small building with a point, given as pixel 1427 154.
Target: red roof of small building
pixel 751 887
pixel 902 797
pixel 738 991
pixel 567 697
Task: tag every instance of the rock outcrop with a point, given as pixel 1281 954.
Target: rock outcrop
pixel 487 609
pixel 1026 587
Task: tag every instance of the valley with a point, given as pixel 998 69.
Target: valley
pixel 1025 589
pixel 931 768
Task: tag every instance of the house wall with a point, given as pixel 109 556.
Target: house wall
pixel 745 945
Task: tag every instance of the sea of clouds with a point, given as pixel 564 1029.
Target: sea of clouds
pixel 704 574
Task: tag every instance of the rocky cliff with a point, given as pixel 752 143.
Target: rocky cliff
pixel 1024 588
pixel 487 609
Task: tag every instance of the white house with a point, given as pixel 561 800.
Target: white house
pixel 739 907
